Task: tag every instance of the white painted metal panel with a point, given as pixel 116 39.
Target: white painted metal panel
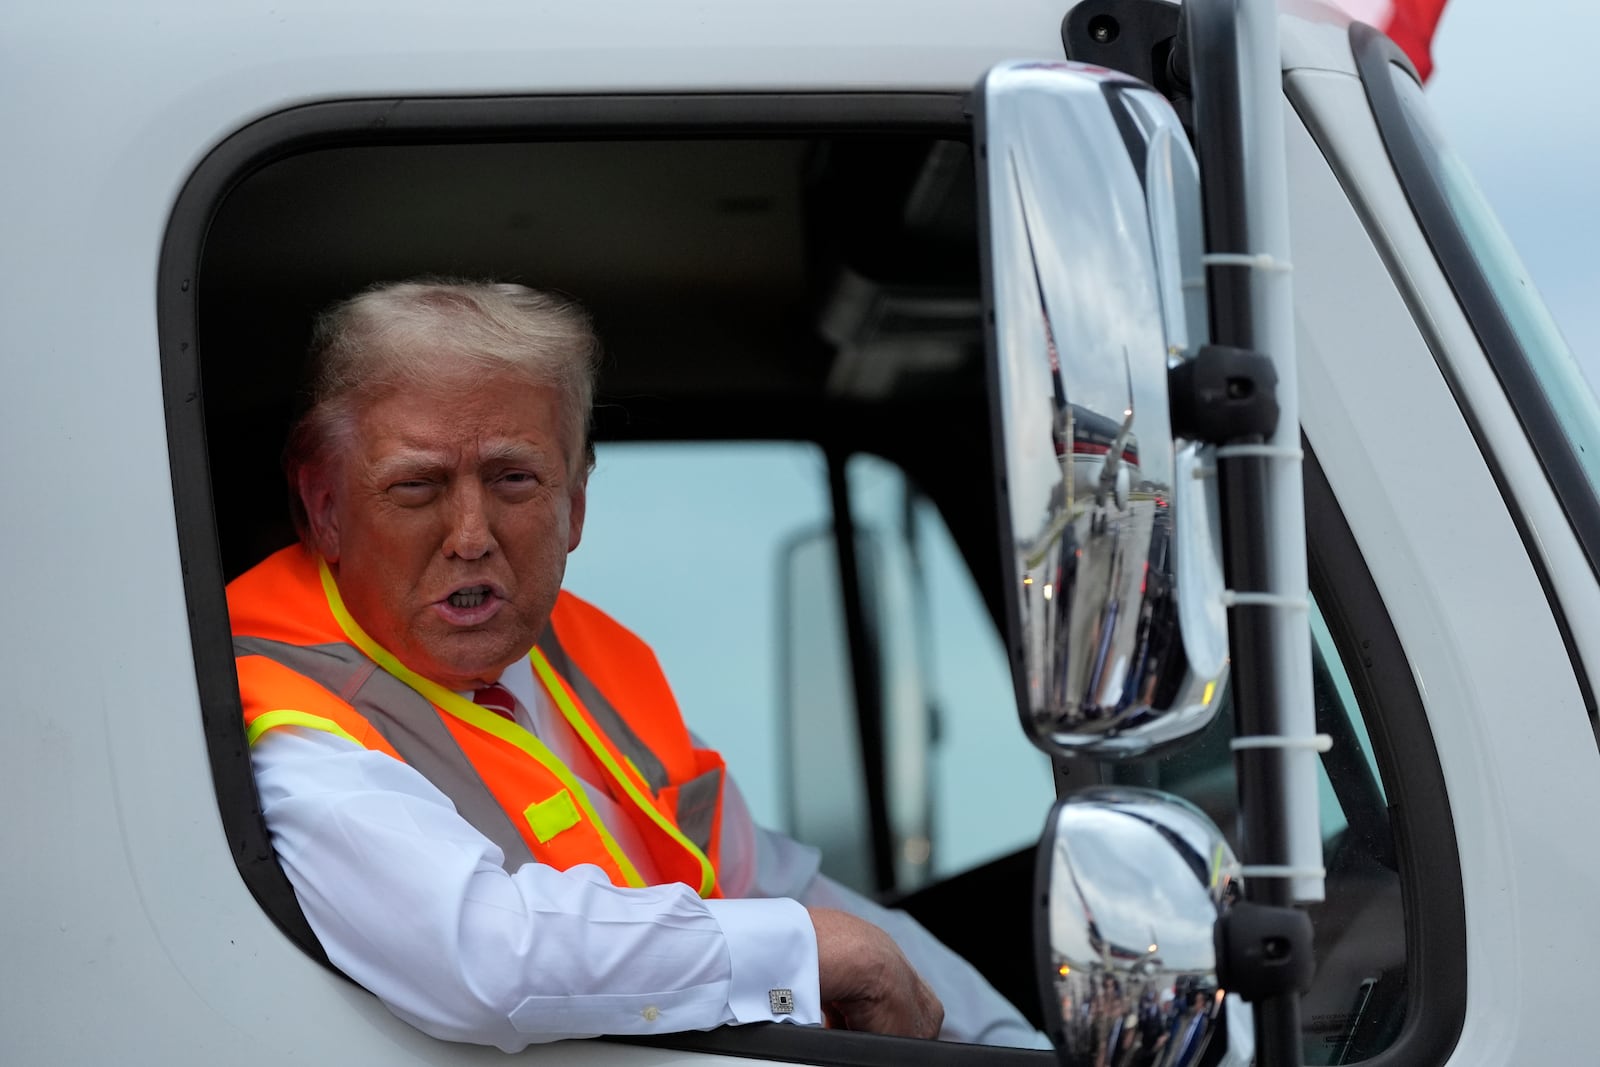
pixel 139 940
pixel 1519 759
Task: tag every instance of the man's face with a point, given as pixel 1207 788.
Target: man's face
pixel 448 523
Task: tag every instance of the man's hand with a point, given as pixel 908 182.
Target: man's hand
pixel 867 982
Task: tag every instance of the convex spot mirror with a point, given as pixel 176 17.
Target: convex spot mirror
pixel 1132 882
pixel 1091 205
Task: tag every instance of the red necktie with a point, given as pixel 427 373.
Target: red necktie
pixel 498 699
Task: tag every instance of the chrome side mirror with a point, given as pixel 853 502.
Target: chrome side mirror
pixel 1132 883
pixel 1091 206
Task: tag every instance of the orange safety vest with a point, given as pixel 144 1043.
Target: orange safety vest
pixel 303 661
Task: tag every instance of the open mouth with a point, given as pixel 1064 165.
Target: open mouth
pixel 470 597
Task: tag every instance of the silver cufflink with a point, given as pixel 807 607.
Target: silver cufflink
pixel 782 1001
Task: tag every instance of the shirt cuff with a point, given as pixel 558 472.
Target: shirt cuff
pixel 772 956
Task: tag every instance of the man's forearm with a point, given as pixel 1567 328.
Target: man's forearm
pixel 411 902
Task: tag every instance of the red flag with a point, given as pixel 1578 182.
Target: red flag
pixel 1409 23
pixel 1411 26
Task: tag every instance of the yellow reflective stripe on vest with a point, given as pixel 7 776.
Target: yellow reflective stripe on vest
pixel 482 718
pixel 558 692
pixel 267 720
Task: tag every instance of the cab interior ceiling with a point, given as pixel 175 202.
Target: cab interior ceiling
pixel 820 288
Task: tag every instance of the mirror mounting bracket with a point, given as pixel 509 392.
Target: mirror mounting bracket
pixel 1138 37
pixel 1223 394
pixel 1264 951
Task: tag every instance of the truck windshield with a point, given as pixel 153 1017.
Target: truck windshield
pixel 1555 402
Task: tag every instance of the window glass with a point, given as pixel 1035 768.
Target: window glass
pixel 682 544
pixel 732 575
pixel 1342 693
pixel 819 737
pixel 990 787
pixel 1562 381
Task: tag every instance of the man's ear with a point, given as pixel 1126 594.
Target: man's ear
pixel 322 514
pixel 578 500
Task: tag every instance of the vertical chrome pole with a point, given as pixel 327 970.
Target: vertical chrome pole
pixel 1238 99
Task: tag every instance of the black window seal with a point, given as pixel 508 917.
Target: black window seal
pixel 1375 54
pixel 1420 819
pixel 840 1048
pixel 373 122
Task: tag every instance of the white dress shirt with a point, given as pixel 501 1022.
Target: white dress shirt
pixel 412 902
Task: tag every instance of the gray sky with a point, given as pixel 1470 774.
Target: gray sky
pixel 1511 86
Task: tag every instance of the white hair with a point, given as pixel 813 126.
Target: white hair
pixel 426 331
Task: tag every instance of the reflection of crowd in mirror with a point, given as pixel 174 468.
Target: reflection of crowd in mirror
pixel 1142 1023
pixel 1192 1024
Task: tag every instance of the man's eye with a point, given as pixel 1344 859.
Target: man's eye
pixel 412 492
pixel 519 478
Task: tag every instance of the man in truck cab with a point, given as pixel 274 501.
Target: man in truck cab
pixel 479 785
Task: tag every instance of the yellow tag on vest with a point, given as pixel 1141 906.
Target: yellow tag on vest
pixel 552 815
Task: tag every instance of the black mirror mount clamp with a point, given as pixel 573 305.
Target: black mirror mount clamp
pixel 1223 394
pixel 1144 38
pixel 1264 951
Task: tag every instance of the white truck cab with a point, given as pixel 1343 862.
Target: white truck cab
pixel 779 217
